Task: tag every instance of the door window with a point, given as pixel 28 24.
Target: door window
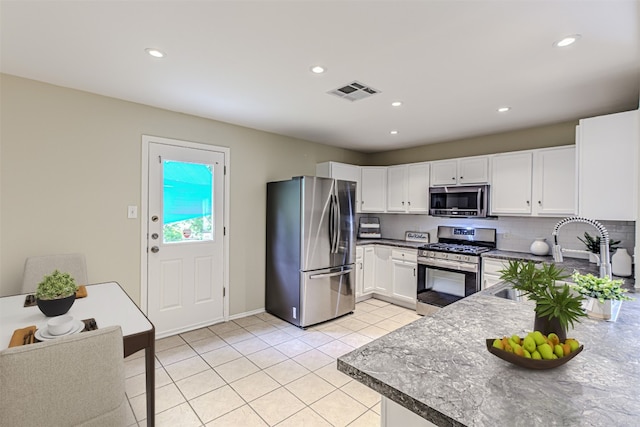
pixel 187 202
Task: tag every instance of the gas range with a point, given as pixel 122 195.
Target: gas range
pixel 450 269
pixel 455 248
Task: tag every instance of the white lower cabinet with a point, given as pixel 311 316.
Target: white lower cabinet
pixel 369 270
pixel 491 272
pixel 359 271
pixel 388 272
pixel 393 415
pixel 383 270
pixel 404 269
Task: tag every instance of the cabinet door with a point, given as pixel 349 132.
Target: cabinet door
pixel 418 188
pixel 359 270
pixel 383 270
pixel 491 272
pixel 554 182
pixel 473 170
pixel 608 166
pixel 510 190
pixel 341 171
pixel 397 188
pixel 404 280
pixel 369 275
pixel 374 186
pixel 444 172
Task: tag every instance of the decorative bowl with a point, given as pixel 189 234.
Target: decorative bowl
pixel 55 307
pixel 60 324
pixel 530 363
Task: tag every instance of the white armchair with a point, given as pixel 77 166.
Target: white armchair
pixel 75 380
pixel 35 268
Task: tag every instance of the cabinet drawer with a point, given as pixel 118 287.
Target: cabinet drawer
pixel 408 256
pixel 493 267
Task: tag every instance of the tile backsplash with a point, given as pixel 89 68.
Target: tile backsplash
pixel 514 233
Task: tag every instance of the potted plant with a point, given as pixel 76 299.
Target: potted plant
pixel 56 293
pixel 557 307
pixel 603 295
pixel 593 245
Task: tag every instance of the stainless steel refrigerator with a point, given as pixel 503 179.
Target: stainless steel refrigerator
pixel 310 249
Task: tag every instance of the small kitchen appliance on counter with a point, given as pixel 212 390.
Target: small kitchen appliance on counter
pixel 449 270
pixel 369 228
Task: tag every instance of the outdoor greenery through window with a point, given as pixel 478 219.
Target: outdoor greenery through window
pixel 187 202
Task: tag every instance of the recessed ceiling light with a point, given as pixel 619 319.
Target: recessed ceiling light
pixel 155 52
pixel 317 69
pixel 503 109
pixel 396 103
pixel 394 132
pixel 569 40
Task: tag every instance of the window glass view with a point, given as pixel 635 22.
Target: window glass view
pixel 187 202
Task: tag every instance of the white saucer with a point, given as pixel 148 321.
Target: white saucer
pixel 42 334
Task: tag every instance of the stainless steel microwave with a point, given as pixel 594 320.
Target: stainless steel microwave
pixel 459 202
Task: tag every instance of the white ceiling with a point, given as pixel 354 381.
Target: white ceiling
pixel 452 63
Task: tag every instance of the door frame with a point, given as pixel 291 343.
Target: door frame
pixel 144 212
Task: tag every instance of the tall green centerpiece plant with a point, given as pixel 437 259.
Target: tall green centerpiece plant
pixel 557 307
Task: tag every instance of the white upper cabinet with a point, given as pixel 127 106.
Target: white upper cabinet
pixel 554 182
pixel 342 171
pixel 510 191
pixel 397 195
pixel 608 166
pixel 464 171
pixel 408 188
pixel 536 182
pixel 373 189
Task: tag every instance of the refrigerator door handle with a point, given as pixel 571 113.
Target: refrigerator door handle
pixel 334 274
pixel 338 225
pixel 332 224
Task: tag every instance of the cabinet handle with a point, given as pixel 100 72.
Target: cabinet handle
pixel 453 178
pixel 409 203
pixel 540 202
pixel 402 203
pixel 528 203
pixel 414 272
pixel 462 177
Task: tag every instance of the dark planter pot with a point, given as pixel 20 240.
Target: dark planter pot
pixel 547 326
pixel 56 307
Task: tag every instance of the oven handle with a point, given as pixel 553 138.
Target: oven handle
pixel 453 265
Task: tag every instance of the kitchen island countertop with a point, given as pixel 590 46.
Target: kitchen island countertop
pixel 439 368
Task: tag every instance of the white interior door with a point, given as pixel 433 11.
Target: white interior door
pixel 185 237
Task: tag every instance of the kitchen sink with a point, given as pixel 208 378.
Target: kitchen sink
pixel 505 291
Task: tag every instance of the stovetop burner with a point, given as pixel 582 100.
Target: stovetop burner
pixel 455 248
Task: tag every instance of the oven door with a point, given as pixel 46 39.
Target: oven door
pixel 442 282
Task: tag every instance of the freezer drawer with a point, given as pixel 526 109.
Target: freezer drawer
pixel 327 294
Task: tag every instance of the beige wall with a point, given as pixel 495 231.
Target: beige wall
pixel 70 166
pixel 539 137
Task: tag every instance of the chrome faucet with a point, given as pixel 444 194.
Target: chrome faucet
pixel 605 261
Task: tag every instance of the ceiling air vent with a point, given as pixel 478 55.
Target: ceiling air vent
pixel 354 91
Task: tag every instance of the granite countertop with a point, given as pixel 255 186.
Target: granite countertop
pixel 439 368
pixel 390 242
pixel 569 264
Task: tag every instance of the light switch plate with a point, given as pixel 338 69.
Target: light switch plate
pixel 132 212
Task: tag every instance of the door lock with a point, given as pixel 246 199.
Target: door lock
pixel 155 249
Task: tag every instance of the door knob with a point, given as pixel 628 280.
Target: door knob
pixel 155 249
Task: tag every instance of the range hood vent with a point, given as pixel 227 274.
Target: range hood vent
pixel 354 91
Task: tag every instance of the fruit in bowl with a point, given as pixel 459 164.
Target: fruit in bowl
pixel 535 351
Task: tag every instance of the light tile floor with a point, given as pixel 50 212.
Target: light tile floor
pixel 262 371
